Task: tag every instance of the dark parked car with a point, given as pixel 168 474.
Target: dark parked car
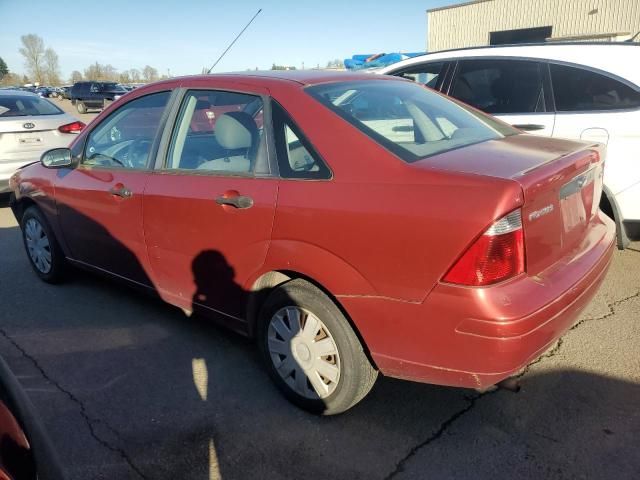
pixel 353 224
pixel 46 92
pixel 65 92
pixel 86 95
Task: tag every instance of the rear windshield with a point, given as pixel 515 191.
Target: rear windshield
pixel 26 105
pixel 410 120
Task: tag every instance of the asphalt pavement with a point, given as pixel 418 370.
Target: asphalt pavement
pixel 130 388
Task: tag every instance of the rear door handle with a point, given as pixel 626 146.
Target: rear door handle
pixel 237 201
pixel 529 127
pixel 121 191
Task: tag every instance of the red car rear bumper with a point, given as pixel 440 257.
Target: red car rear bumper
pixel 476 337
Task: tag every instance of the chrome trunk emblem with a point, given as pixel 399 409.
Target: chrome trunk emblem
pixel 29 125
pixel 539 213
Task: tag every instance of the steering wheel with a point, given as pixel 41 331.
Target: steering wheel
pixel 138 152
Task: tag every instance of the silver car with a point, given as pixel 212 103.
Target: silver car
pixel 30 125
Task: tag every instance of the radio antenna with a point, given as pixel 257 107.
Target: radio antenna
pixel 234 40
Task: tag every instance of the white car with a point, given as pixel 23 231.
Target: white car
pixel 30 125
pixel 588 91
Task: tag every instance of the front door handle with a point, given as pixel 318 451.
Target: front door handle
pixel 529 127
pixel 237 201
pixel 119 190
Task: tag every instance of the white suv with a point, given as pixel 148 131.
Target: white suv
pixel 582 91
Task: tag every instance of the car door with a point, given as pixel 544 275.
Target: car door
pixel 593 106
pixel 209 206
pixel 513 90
pixel 100 201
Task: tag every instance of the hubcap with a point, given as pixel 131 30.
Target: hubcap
pixel 303 352
pixel 38 245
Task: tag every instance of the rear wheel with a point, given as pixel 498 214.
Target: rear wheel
pixel 42 248
pixel 82 108
pixel 311 352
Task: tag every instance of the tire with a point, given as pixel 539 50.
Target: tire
pixel 82 108
pixel 45 256
pixel 347 373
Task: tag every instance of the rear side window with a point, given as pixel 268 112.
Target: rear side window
pixel 26 105
pixel 578 90
pixel 296 156
pixel 500 86
pixel 408 119
pixel 427 74
pixel 219 131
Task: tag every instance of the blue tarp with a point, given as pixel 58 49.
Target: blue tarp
pixel 377 60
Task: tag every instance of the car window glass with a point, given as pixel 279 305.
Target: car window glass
pixel 296 156
pixel 500 86
pixel 94 88
pixel 23 105
pixel 124 138
pixel 411 121
pixel 426 74
pixel 219 131
pixel 576 89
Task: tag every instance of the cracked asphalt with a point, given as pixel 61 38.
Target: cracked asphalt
pixel 130 388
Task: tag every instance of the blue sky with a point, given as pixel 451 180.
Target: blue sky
pixel 183 36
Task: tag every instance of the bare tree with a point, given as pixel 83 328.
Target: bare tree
pixel 337 63
pixel 33 52
pixel 110 73
pixel 76 76
pixel 52 66
pixel 134 73
pixel 93 72
pixel 149 74
pixel 4 70
pixel 124 77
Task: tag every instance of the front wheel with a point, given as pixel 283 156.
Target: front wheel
pixel 82 108
pixel 311 352
pixel 42 248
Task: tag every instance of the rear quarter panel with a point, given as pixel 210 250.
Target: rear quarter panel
pixel 396 228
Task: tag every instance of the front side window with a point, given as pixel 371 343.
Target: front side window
pixel 578 90
pixel 500 86
pixel 26 105
pixel 219 131
pixel 125 137
pixel 408 119
pixel 427 74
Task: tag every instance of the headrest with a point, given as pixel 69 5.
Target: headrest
pixel 236 130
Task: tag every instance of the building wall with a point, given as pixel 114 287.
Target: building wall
pixel 469 25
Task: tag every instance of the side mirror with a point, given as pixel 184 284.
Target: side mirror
pixel 56 158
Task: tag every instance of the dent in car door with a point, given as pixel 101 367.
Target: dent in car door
pixel 100 201
pixel 515 91
pixel 209 211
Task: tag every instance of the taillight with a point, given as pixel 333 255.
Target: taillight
pixel 498 254
pixel 74 127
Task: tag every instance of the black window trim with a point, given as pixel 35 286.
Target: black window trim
pixel 154 145
pixel 172 123
pixel 548 61
pixel 609 75
pixel 442 76
pixel 544 72
pixel 324 174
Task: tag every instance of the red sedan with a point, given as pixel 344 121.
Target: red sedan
pixel 353 224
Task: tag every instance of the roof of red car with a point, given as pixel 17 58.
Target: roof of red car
pixel 302 77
